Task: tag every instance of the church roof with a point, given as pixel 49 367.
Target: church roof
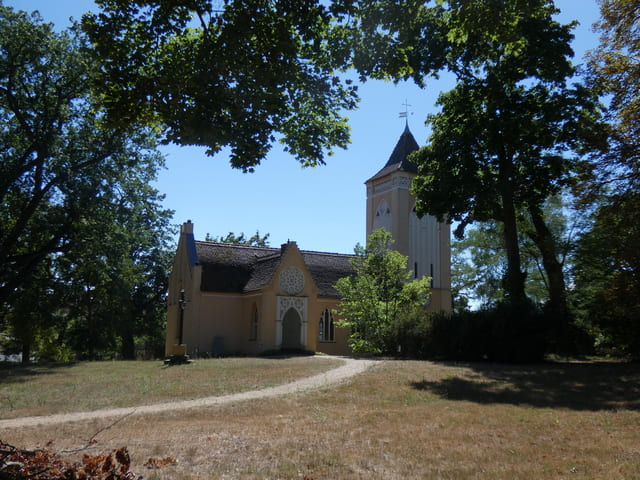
pixel 229 268
pixel 398 160
pixel 326 269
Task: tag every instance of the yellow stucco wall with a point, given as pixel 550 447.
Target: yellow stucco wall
pixel 216 323
pixel 394 188
pixel 339 345
pixel 185 277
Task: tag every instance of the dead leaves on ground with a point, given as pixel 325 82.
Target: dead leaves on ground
pixel 17 464
pixel 154 463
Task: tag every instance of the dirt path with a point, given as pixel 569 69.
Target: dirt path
pixel 335 376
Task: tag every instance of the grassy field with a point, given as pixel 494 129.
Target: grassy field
pixel 399 420
pixel 86 386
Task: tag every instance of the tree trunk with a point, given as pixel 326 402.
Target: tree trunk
pixel 128 349
pixel 26 352
pixel 514 278
pixel 543 238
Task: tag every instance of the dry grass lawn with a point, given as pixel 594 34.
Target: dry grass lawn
pixel 85 386
pixel 400 420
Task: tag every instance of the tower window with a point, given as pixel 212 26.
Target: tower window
pixel 382 218
pixel 415 269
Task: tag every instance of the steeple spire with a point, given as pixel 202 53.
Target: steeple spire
pixel 398 160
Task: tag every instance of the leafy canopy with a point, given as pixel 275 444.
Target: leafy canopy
pixel 509 133
pixel 378 295
pixel 614 70
pixel 607 273
pixel 56 162
pixel 243 76
pixel 77 212
pixel 256 240
pixel 608 265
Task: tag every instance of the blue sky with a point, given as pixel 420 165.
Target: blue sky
pixel 320 208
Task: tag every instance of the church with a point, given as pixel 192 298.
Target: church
pixel 229 299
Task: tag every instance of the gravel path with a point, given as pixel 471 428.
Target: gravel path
pixel 337 375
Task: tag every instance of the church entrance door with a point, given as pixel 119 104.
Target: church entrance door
pixel 291 329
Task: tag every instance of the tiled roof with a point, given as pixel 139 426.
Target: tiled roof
pixel 398 160
pixel 326 269
pixel 227 267
pixel 262 272
pixel 233 268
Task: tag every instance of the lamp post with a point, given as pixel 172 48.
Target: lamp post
pixel 181 305
pixel 179 355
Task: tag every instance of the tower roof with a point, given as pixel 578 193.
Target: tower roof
pixel 398 159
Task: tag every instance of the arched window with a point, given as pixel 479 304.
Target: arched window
pixel 382 217
pixel 326 328
pixel 253 327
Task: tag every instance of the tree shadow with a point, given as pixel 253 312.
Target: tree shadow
pixel 577 386
pixel 18 373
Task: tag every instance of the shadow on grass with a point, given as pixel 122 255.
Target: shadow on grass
pixel 575 386
pixel 286 353
pixel 18 373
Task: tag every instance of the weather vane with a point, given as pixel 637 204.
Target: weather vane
pixel 406 112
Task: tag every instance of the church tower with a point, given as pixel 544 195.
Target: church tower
pixel 391 206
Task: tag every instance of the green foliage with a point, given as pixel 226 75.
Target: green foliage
pixel 607 267
pixel 83 236
pixel 479 260
pixel 507 134
pixel 32 314
pixel 116 273
pixel 614 69
pixel 48 144
pixel 378 295
pixel 241 77
pixel 478 264
pixel 608 274
pixel 256 240
pixel 492 168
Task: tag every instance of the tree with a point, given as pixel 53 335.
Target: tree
pixel 509 133
pixel 614 69
pixel 608 273
pixel 33 322
pixel 479 261
pixel 608 267
pixel 240 77
pixel 478 265
pixel 500 143
pixel 378 295
pixel 116 274
pixel 256 240
pixel 56 158
pixel 76 208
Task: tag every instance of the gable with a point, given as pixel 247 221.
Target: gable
pixel 228 268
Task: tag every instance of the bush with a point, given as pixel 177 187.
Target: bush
pixel 505 333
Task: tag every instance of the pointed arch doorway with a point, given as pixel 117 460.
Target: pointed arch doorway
pixel 291 326
pixel 291 323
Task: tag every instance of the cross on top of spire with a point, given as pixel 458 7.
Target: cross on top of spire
pixel 406 112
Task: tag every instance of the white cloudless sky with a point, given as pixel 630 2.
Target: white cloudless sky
pixel 321 208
